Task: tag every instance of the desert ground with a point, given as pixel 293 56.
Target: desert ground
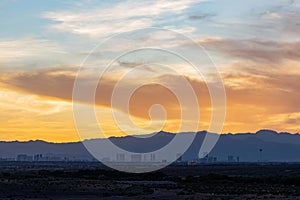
pixel 29 180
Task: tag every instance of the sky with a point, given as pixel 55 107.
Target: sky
pixel 254 45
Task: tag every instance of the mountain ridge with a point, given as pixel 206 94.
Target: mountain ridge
pixel 114 137
pixel 277 147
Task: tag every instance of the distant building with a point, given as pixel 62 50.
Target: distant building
pixel 7 159
pixel 120 157
pixel 145 158
pixel 24 158
pixel 52 157
pixel 230 158
pixel 212 159
pixel 208 159
pixel 10 159
pixel 38 157
pixel 260 155
pixel 136 158
pixel 152 157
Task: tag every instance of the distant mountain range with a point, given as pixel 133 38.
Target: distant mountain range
pixel 245 147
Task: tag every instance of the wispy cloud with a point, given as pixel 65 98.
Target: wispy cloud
pixel 22 51
pixel 53 84
pixel 201 16
pixel 271 15
pixel 124 16
pixel 31 103
pixel 255 50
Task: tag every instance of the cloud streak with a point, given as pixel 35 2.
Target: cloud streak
pixel 53 84
pixel 251 98
pixel 255 50
pixel 124 16
pixel 20 52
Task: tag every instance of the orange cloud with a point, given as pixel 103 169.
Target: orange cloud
pixel 256 98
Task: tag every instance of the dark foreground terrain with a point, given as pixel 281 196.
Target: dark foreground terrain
pixel 93 181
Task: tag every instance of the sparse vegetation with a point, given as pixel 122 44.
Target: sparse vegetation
pixel 175 182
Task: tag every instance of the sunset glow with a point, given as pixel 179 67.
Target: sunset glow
pixel 255 45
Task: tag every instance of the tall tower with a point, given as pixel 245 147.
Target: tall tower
pixel 260 155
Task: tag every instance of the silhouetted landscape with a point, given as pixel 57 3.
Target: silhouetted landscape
pixel 81 180
pixel 243 147
pixel 235 169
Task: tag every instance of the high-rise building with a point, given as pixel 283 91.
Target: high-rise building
pixel 152 157
pixel 120 157
pixel 38 157
pixel 24 158
pixel 136 158
pixel 230 158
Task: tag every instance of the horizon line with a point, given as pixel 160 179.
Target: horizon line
pixel 154 133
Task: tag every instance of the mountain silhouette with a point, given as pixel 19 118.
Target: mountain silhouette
pixel 275 147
